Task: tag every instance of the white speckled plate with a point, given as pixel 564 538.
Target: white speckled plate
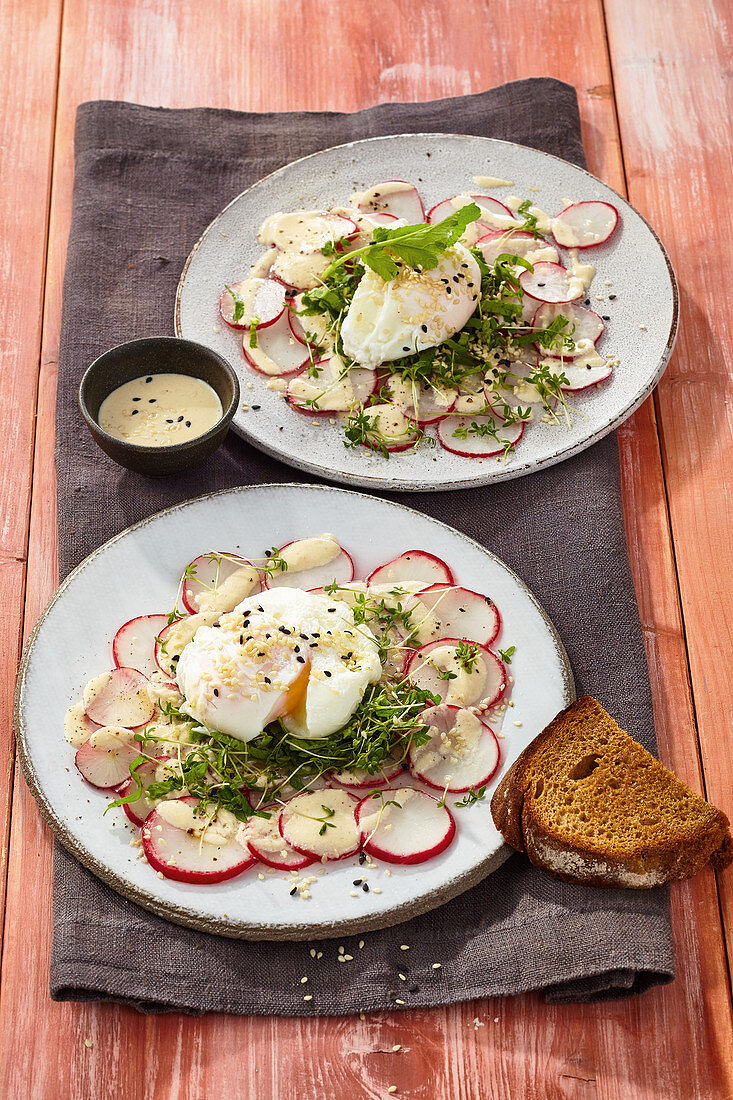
pixel 632 265
pixel 137 572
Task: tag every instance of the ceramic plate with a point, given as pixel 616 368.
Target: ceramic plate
pixel 137 572
pixel 635 288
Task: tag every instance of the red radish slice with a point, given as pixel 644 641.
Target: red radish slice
pixel 338 569
pixel 262 300
pixel 483 686
pixel 550 283
pixel 303 819
pixel 379 219
pixel 142 807
pixel 403 825
pixel 584 224
pixel 492 206
pixel 421 402
pixel 118 698
pixel 413 565
pixel 335 388
pixel 474 445
pixel 588 325
pixel 389 429
pixel 440 211
pixel 582 375
pixel 357 777
pixel 471 397
pixel 462 753
pixel 463 613
pixel 498 242
pixel 211 572
pixel 269 847
pixel 133 646
pixel 306 230
pixel 396 197
pixel 104 760
pixel 280 350
pixel 175 637
pixel 171 850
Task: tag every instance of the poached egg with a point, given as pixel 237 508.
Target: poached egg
pixel 283 653
pixel 414 311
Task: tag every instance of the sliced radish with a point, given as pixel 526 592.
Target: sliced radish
pixel 462 613
pixel 331 386
pixel 218 581
pixel 471 398
pixel 104 760
pixel 174 638
pixel 550 282
pixel 420 401
pixel 260 300
pixel 492 206
pixel 280 350
pixel 396 197
pixel 462 752
pixel 321 824
pixel 388 769
pixel 584 224
pixel 389 429
pixel 413 565
pixel 133 646
pixel 440 211
pixel 154 771
pixel 581 375
pixel 483 686
pixel 177 844
pixel 378 220
pixel 515 242
pixel 306 230
pixel 118 698
pixel 403 825
pixel 264 841
pixel 488 441
pixel 587 325
pixel 312 563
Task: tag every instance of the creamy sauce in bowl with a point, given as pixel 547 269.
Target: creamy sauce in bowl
pixel 160 410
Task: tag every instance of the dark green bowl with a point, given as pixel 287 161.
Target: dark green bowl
pixel 158 355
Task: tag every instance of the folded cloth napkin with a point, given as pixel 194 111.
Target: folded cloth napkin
pixel 148 181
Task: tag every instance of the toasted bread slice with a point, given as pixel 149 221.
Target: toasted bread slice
pixel 588 804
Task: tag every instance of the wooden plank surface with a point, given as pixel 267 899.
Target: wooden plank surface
pixel 674 1042
pixel 673 90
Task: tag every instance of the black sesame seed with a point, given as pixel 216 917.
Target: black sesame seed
pixel 464 265
pixel 612 297
pixel 315 634
pixel 313 645
pixel 424 328
pixel 241 639
pixel 216 692
pixel 448 290
pixel 149 378
pixel 134 412
pixel 604 318
pixel 175 659
pixel 255 407
pixel 284 630
pixel 326 673
pixel 296 649
pixel 180 418
pixel 188 423
pixel 267 680
pixel 358 881
pixel 541 284
pixel 455 279
pixel 294 891
pixel 300 660
pixel 169 421
pixel 304 637
pixel 151 401
pixel 365 887
pixel 587 301
pixel 137 399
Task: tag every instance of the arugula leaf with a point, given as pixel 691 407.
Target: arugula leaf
pixel 418 246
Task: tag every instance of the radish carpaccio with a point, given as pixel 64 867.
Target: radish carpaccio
pixel 456 327
pixel 286 712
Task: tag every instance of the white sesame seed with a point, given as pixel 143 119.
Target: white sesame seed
pixel 353 893
pixel 437 966
pixel 362 1016
pixel 376 889
pixel 319 955
pixel 308 997
pixel 397 1046
pixel 392 1088
pixel 348 958
pixel 88 1043
pixel 303 980
pixel 313 952
pixel 361 944
pixel 404 947
pixel 398 1001
pixel 517 723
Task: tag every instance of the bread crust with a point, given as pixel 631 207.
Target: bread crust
pixel 645 865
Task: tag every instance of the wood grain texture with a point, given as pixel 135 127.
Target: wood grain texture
pixel 28 68
pixel 674 95
pixel 673 1042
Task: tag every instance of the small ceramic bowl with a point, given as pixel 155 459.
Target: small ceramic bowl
pixel 158 355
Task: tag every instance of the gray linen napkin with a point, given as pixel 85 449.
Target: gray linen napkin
pixel 148 181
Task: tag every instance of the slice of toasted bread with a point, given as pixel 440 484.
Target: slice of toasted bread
pixel 589 804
